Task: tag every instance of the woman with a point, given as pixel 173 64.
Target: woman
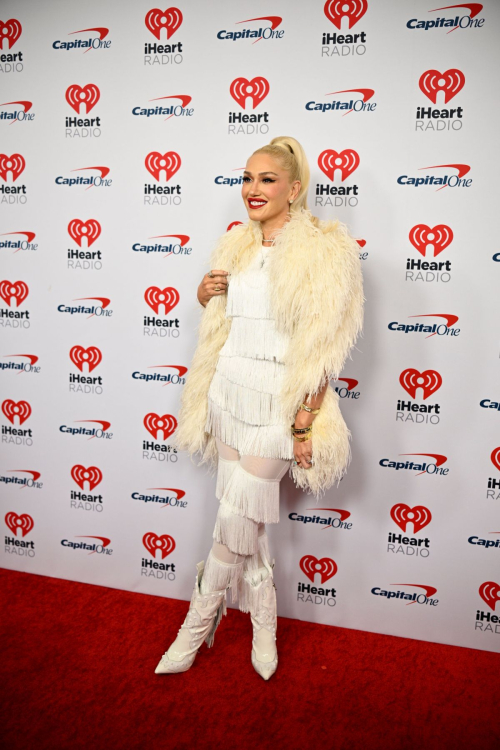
pixel 257 400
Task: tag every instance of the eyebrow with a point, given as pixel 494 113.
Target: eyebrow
pixel 260 173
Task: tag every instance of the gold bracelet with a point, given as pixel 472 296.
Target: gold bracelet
pixel 301 429
pixel 308 408
pixel 302 439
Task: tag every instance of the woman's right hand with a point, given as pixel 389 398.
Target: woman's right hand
pixel 207 288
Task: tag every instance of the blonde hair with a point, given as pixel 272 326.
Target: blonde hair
pixel 290 155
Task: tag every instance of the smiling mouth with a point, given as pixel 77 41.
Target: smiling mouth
pixel 256 204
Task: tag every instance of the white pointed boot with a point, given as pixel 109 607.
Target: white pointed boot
pixel 264 618
pixel 205 613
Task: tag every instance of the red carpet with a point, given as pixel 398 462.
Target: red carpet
pixel 77 671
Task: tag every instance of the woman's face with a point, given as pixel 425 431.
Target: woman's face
pixel 266 189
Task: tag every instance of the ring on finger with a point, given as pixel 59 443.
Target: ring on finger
pixel 217 289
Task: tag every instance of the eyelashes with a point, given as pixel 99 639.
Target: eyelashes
pixel 266 179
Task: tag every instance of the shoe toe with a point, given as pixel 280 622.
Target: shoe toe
pixel 167 666
pixel 265 669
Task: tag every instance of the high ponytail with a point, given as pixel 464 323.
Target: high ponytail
pixel 290 156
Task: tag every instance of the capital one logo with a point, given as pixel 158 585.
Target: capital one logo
pixel 168 164
pixel 10 30
pixel 90 230
pixel 15 164
pixel 419 516
pixel 450 82
pixel 168 297
pixel 257 89
pixel 92 475
pixel 23 522
pixel 439 237
pixel 347 161
pixel 326 567
pixel 165 543
pixel 169 19
pixel 490 593
pixel 429 381
pixel 86 96
pixel 336 10
pixel 167 424
pixel 13 290
pixel 21 410
pixel 91 356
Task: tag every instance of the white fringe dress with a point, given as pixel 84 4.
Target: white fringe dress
pixel 244 410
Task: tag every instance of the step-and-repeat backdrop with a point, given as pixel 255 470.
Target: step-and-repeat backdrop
pixel 124 132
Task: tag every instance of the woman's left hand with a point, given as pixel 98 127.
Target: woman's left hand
pixel 303 453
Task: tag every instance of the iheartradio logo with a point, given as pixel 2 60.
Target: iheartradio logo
pixel 168 297
pixel 90 230
pixel 165 543
pixel 169 19
pixel 429 381
pixel 13 290
pixel 21 410
pixel 91 356
pixel 451 82
pixel 402 514
pixel 10 30
pixel 326 567
pixel 421 236
pixel 490 593
pixel 346 161
pixel 495 457
pixel 257 89
pixel 92 475
pixel 167 424
pixel 15 164
pixel 85 97
pixel 353 10
pixel 23 522
pixel 168 164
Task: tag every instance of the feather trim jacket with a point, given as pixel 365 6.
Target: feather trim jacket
pixel 317 300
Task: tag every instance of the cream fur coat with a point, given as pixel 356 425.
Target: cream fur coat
pixel 316 281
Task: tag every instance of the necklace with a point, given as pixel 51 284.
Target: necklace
pixel 264 257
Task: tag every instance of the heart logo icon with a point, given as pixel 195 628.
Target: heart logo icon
pixel 15 164
pixel 168 163
pixel 79 229
pixel 490 593
pixel 91 356
pixel 88 95
pixel 495 457
pixel 155 297
pixel 326 567
pixel 429 381
pixel 335 10
pixel 439 236
pixel 24 522
pixel 153 542
pixel 257 89
pixel 17 289
pixel 169 19
pixel 347 161
pixel 154 423
pixel 451 82
pixel 92 475
pixel 11 409
pixel 402 514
